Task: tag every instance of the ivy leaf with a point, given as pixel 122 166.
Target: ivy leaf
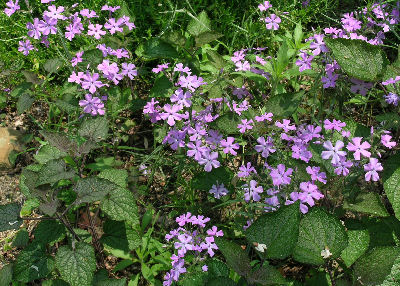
pixel 373 267
pixel 43 235
pixel 266 275
pixel 6 275
pixel 77 265
pixel 391 182
pixel 367 203
pixel 283 105
pixel 319 230
pixel 9 217
pixel 116 176
pixel 235 256
pixel 359 240
pixel 24 102
pixel 358 59
pixel 33 263
pixel 120 205
pixel 47 153
pixel 93 189
pixel 278 231
pixel 205 182
pixel 94 129
pixel 199 25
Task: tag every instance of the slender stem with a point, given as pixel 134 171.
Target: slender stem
pixel 68 226
pixel 38 218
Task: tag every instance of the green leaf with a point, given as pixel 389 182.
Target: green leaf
pixel 113 282
pixel 28 206
pixel 391 182
pixel 6 275
pixel 9 216
pixel 52 65
pixel 56 282
pixel 358 245
pixel 373 267
pixel 217 268
pixel 95 129
pixel 24 102
pixel 283 105
pixel 298 35
pixel 266 275
pixel 198 279
pixel 199 25
pixel 93 189
pixel 121 236
pixel 120 205
pixel 43 235
pixel 206 37
pixel 116 176
pixel 21 239
pixel 77 265
pixel 389 119
pixel 54 171
pixel 235 256
pixel 393 279
pixel 216 59
pixel 21 89
pixel 358 59
pixel 162 87
pixel 220 281
pixel 367 203
pixel 33 263
pixel 278 231
pixel 156 48
pixel 205 181
pixel 47 153
pixel 228 123
pixel 319 231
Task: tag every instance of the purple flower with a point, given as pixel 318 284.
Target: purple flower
pixel 229 146
pixel 252 192
pixel 264 6
pixel 25 47
pixel 300 151
pixel 245 125
pixel 318 45
pixel 209 161
pixel 160 68
pixel 96 31
pixel 196 150
pixel 34 29
pixel 385 140
pixel 265 116
pixel 171 113
pixel 305 62
pixel 285 125
pixel 242 66
pixel 335 124
pixel 191 82
pixel 48 26
pixel 176 139
pixel 342 167
pixel 360 86
pixel 350 23
pixel 183 219
pixel 333 152
pixel 182 98
pixel 12 7
pixel 246 170
pixel 129 70
pixel 209 245
pixel 330 80
pixel 281 176
pixel 184 244
pixel 316 175
pixel 91 82
pixel 272 22
pixel 392 98
pixel 372 169
pixel 218 191
pixel 204 268
pixel 55 12
pixel 200 220
pixel 92 105
pixel 359 148
pixel 114 26
pixel 265 147
pixel 110 8
pixel 215 232
pixel 309 194
pixel 77 59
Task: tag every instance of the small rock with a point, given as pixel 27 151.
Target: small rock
pixel 8 142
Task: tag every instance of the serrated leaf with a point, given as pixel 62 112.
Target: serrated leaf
pixel 235 256
pixel 358 58
pixel 91 57
pixel 156 48
pixel 373 267
pixel 116 176
pixel 205 181
pixel 217 268
pixel 120 205
pixel 24 102
pixel 66 106
pixel 391 182
pixel 278 231
pixel 120 235
pixel 21 239
pixel 266 275
pixel 367 203
pixel 43 235
pixel 319 231
pixel 393 279
pixel 93 189
pixel 283 105
pixel 174 38
pixel 77 265
pixel 28 206
pixel 47 153
pixel 358 245
pixel 54 171
pixel 52 65
pixel 206 37
pixel 6 275
pixel 216 59
pixel 65 144
pixel 199 25
pixel 9 216
pixel 95 129
pixel 32 263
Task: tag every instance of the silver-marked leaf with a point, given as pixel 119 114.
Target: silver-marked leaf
pixel 207 37
pixel 120 205
pixel 368 203
pixel 393 279
pixel 95 129
pixel 54 171
pixel 47 153
pixel 199 24
pixel 278 231
pixel 9 216
pixel 319 231
pixel 116 176
pixel 266 275
pixel 358 58
pixel 33 263
pixel 93 189
pixel 358 245
pixel 77 265
pixel 24 102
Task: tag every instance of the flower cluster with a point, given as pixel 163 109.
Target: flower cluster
pixel 190 238
pixel 272 21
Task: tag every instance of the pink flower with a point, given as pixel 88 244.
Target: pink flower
pixel 272 22
pixel 332 151
pixel 229 146
pixel 280 176
pixel 372 169
pixel 209 161
pixel 246 125
pixel 171 114
pixel 96 31
pixel 12 7
pixel 264 6
pixel 359 148
pixel 385 140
